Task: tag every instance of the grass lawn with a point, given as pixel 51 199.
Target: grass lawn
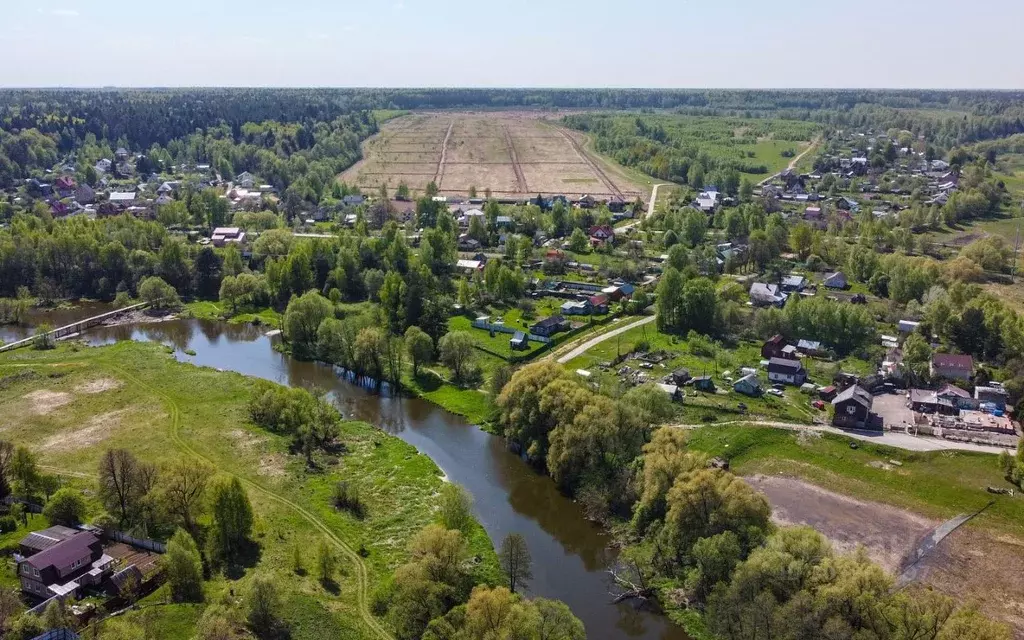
pixel 76 403
pixel 697 406
pixel 499 344
pixel 938 484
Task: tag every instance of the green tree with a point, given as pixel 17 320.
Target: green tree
pixel 456 349
pixel 578 241
pixel 801 238
pixel 66 507
pixel 24 472
pixel 695 226
pixel 515 560
pixel 183 568
pixel 456 509
pixel 232 518
pixel 158 294
pixel 420 347
pixel 669 303
pixel 302 319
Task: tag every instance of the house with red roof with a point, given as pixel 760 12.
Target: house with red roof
pixel 601 234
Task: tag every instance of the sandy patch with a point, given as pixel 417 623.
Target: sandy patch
pixel 887 533
pixel 99 385
pixel 45 401
pixel 95 431
pixel 246 440
pixel 272 465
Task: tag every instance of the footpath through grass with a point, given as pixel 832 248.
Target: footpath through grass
pixel 70 405
pixel 937 484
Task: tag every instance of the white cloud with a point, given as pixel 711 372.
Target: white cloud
pixel 349 27
pixel 398 6
pixel 64 13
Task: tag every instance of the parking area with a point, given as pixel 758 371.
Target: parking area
pixel 892 408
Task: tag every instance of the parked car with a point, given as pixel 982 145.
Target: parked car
pixel 819 405
pixel 776 392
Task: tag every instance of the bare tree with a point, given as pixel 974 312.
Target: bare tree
pixel 184 490
pixel 515 561
pixel 124 482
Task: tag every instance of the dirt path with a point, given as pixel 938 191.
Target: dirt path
pixel 794 161
pixel 612 188
pixel 650 206
pixel 589 344
pixel 362 578
pixel 439 174
pixel 520 177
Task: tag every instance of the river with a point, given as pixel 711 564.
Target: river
pixel 570 555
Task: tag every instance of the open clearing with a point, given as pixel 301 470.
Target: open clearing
pixel 514 154
pixel 887 533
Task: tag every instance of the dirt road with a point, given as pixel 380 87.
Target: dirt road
pixel 612 188
pixel 589 344
pixel 439 174
pixel 650 206
pixel 793 162
pixel 516 167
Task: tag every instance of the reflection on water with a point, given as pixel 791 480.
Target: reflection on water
pixel 570 554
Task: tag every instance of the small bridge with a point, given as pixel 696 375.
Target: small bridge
pixel 74 328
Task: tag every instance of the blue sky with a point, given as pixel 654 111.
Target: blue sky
pixel 536 43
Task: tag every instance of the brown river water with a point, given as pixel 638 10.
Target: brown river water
pixel 571 555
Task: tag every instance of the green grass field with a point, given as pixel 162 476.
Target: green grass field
pixel 939 484
pixel 206 310
pixel 77 403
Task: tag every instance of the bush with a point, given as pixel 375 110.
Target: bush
pixel 65 507
pixel 8 524
pixel 346 497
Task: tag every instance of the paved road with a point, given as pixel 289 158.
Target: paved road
pixel 889 438
pixel 589 344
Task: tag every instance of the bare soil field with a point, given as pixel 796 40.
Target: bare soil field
pixel 888 534
pixel 512 153
pixel 970 565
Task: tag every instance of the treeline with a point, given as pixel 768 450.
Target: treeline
pixel 707 536
pixel 687 150
pixel 157 116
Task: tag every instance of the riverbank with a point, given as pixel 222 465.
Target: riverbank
pixel 162 409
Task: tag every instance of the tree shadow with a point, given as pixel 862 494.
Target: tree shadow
pixel 330 586
pixel 246 557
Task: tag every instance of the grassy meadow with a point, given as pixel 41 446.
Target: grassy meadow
pixel 71 404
